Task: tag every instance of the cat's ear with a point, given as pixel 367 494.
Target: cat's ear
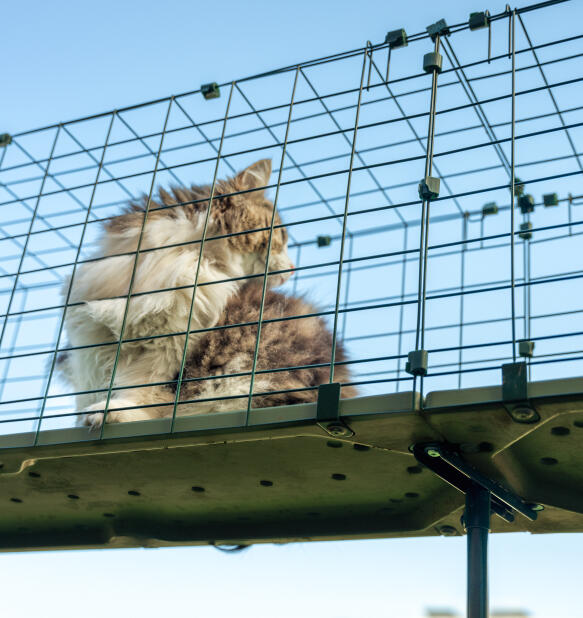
pixel 256 175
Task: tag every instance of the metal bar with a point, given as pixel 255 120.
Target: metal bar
pixel 512 179
pixel 477 523
pixel 198 263
pixel 269 241
pixel 344 224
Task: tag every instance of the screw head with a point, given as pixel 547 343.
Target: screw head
pixel 336 429
pixel 537 507
pixel 432 452
pixel 524 413
pixel 447 531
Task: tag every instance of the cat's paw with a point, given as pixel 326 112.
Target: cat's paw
pixel 93 415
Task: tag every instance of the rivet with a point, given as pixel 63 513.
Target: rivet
pixel 339 477
pixel 447 531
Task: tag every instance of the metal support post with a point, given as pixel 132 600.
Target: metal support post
pixel 477 524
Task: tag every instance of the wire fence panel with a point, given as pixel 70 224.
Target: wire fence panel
pixel 429 194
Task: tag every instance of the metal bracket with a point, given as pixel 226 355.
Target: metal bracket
pixel 515 393
pixel 525 230
pixel 323 241
pixel 526 348
pixel 328 411
pixel 439 28
pixel 5 139
pixel 518 187
pixel 491 208
pixel 210 91
pixel 432 61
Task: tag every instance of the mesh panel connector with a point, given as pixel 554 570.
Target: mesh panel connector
pixel 323 241
pixel 479 20
pixel 438 28
pixel 491 208
pixel 396 38
pixel 417 363
pixel 518 187
pixel 210 91
pixel 526 203
pixel 432 61
pixel 551 199
pixel 429 188
pixel 526 348
pixel 5 139
pixel 525 230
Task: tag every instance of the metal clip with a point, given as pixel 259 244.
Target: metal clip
pixel 515 393
pixel 439 28
pixel 432 62
pixel 551 199
pixel 526 348
pixel 323 241
pixel 525 230
pixel 526 203
pixel 395 39
pixel 491 208
pixel 479 20
pixel 5 139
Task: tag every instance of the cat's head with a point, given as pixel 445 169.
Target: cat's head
pixel 238 228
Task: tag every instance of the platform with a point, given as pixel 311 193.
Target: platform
pixel 284 478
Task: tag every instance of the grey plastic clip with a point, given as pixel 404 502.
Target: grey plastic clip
pixel 526 203
pixel 432 61
pixel 526 348
pixel 438 28
pixel 5 139
pixel 551 199
pixel 525 230
pixel 323 241
pixel 429 188
pixel 479 20
pixel 396 38
pixel 417 363
pixel 491 208
pixel 210 91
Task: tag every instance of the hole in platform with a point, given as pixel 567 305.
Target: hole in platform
pixel 73 497
pixel 266 483
pixel 549 461
pixel 411 494
pixel 17 500
pixel 414 469
pixel 334 444
pixel 108 515
pixel 361 447
pixel 34 475
pixel 339 477
pixel 578 424
pixel 395 500
pixel 133 492
pixel 198 489
pixel 560 431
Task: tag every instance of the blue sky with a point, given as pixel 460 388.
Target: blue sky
pixel 64 60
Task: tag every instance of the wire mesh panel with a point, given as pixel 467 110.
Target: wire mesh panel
pixel 482 272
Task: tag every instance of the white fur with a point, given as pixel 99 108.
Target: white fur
pixel 100 317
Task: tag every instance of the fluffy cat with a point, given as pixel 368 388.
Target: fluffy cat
pixel 168 260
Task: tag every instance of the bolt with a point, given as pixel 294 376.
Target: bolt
pixel 523 413
pixel 432 452
pixel 536 507
pixel 336 429
pixel 447 531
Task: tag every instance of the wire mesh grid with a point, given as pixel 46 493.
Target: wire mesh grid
pixel 465 276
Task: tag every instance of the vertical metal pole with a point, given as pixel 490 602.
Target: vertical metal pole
pixel 477 523
pixel 511 50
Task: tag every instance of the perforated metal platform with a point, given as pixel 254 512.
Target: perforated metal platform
pixel 284 478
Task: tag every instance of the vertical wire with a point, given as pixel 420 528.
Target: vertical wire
pixel 70 287
pixel 134 269
pixel 12 346
pixel 200 255
pixel 269 240
pixel 402 304
pixel 462 296
pixel 347 287
pixel 298 264
pixel 28 236
pixel 513 180
pixel 424 232
pixel 344 220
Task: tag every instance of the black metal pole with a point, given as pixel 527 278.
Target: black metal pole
pixel 477 523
